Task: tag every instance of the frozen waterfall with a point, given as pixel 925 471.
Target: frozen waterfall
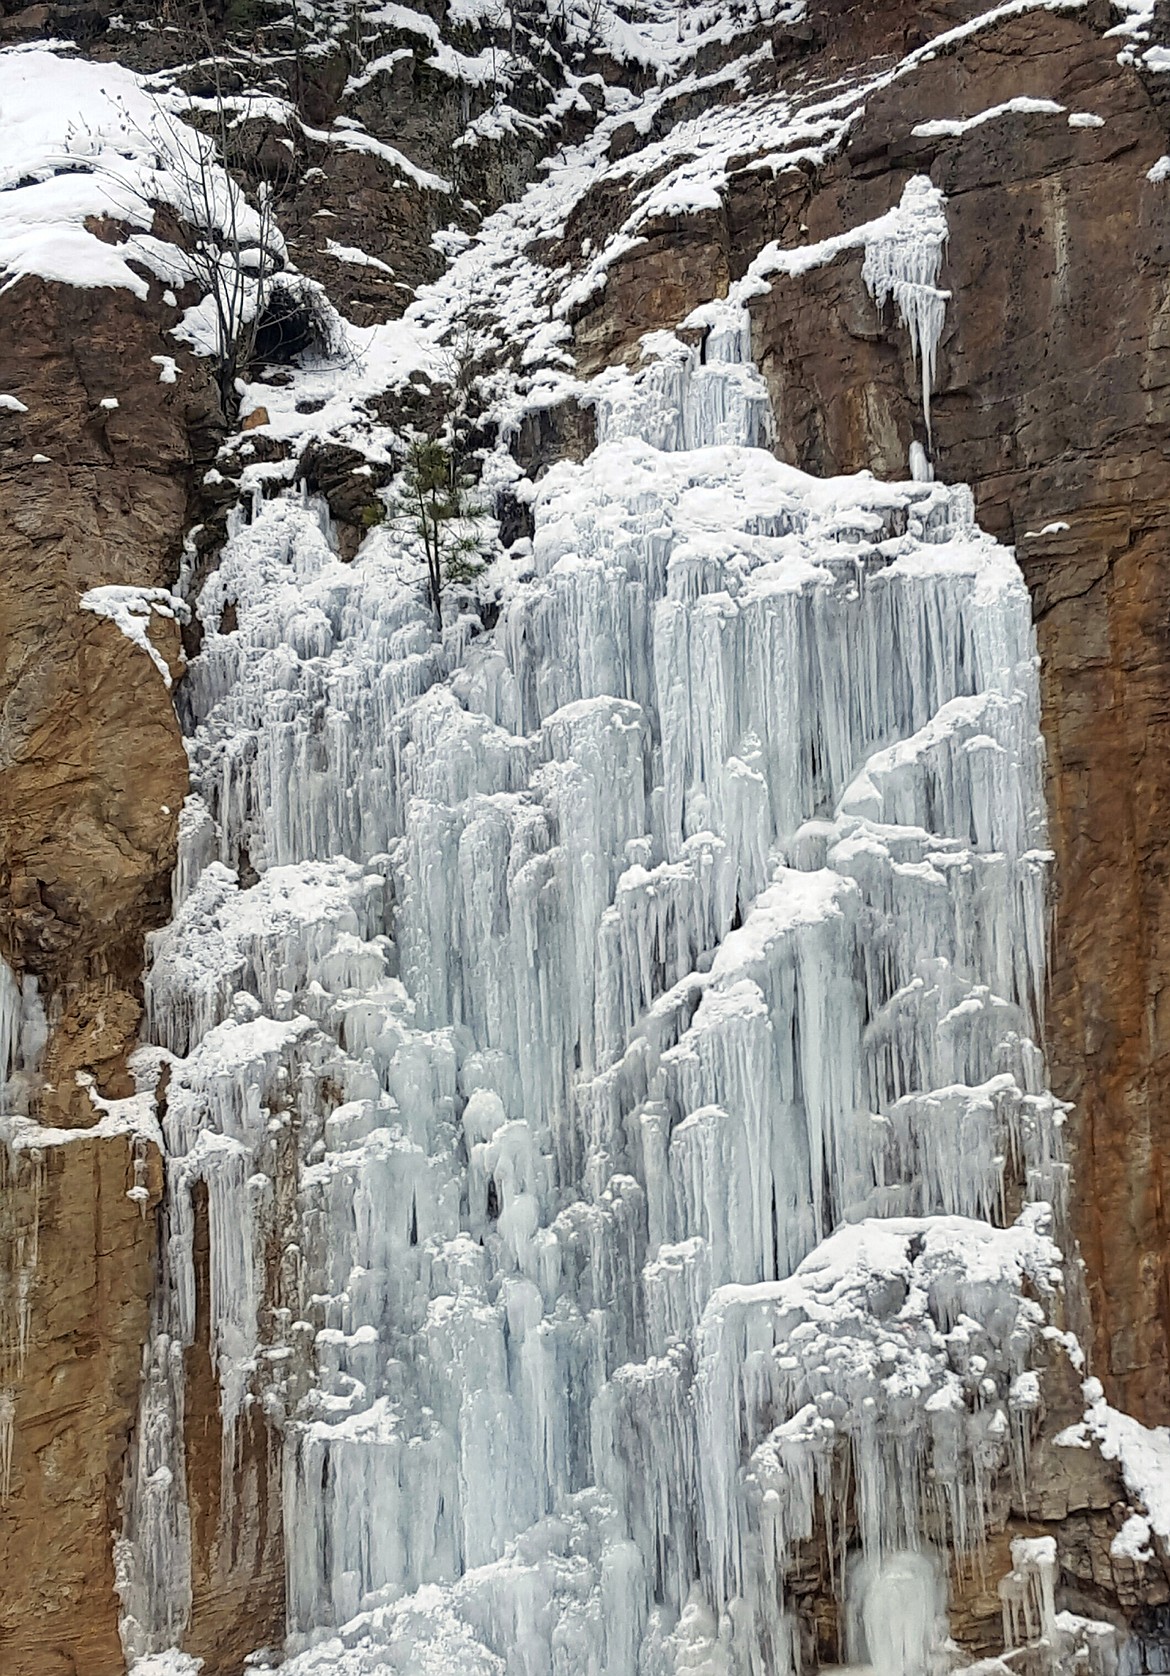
pixel 628 1169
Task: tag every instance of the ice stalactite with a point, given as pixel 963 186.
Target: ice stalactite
pixel 902 265
pixel 10 1010
pixel 603 1050
pixel 23 1034
pixel 902 258
pixel 7 1423
pixel 22 1181
pixel 153 1574
pixel 1064 1640
pixel 1028 1592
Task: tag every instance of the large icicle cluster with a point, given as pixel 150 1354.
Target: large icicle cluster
pixel 614 1097
pixel 902 265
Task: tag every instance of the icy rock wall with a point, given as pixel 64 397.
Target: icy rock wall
pixel 902 265
pixel 626 1152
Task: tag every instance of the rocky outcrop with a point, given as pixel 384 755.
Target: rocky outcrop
pixel 96 465
pixel 93 492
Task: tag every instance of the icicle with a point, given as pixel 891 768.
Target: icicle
pixel 7 1427
pixel 9 1021
pixel 23 1033
pixel 902 262
pixel 921 469
pixel 1027 1593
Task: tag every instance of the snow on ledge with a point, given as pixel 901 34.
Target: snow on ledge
pixel 947 127
pixel 85 141
pixel 1142 1452
pixel 358 258
pixel 356 139
pixel 903 256
pixel 134 1117
pixel 129 610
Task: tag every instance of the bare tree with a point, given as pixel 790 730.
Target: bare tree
pixel 228 245
pixel 235 249
pixel 230 248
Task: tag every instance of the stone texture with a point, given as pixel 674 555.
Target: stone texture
pixel 89 1250
pixel 1051 401
pixel 93 763
pixel 94 774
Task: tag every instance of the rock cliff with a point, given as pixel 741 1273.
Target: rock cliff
pixel 94 775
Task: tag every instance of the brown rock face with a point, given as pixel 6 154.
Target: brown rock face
pixel 1051 400
pixel 94 769
pixel 94 774
pixel 67 1402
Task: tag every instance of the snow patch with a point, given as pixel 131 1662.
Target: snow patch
pixel 129 609
pixel 947 127
pixel 1142 1452
pixel 85 141
pixel 357 258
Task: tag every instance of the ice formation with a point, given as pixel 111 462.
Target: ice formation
pixel 903 255
pixel 602 1050
pixel 902 266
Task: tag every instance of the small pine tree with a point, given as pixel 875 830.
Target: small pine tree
pixel 435 500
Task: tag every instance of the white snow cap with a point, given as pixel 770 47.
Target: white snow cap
pixel 129 609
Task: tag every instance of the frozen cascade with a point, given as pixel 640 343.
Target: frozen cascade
pixel 613 1102
pixel 902 264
